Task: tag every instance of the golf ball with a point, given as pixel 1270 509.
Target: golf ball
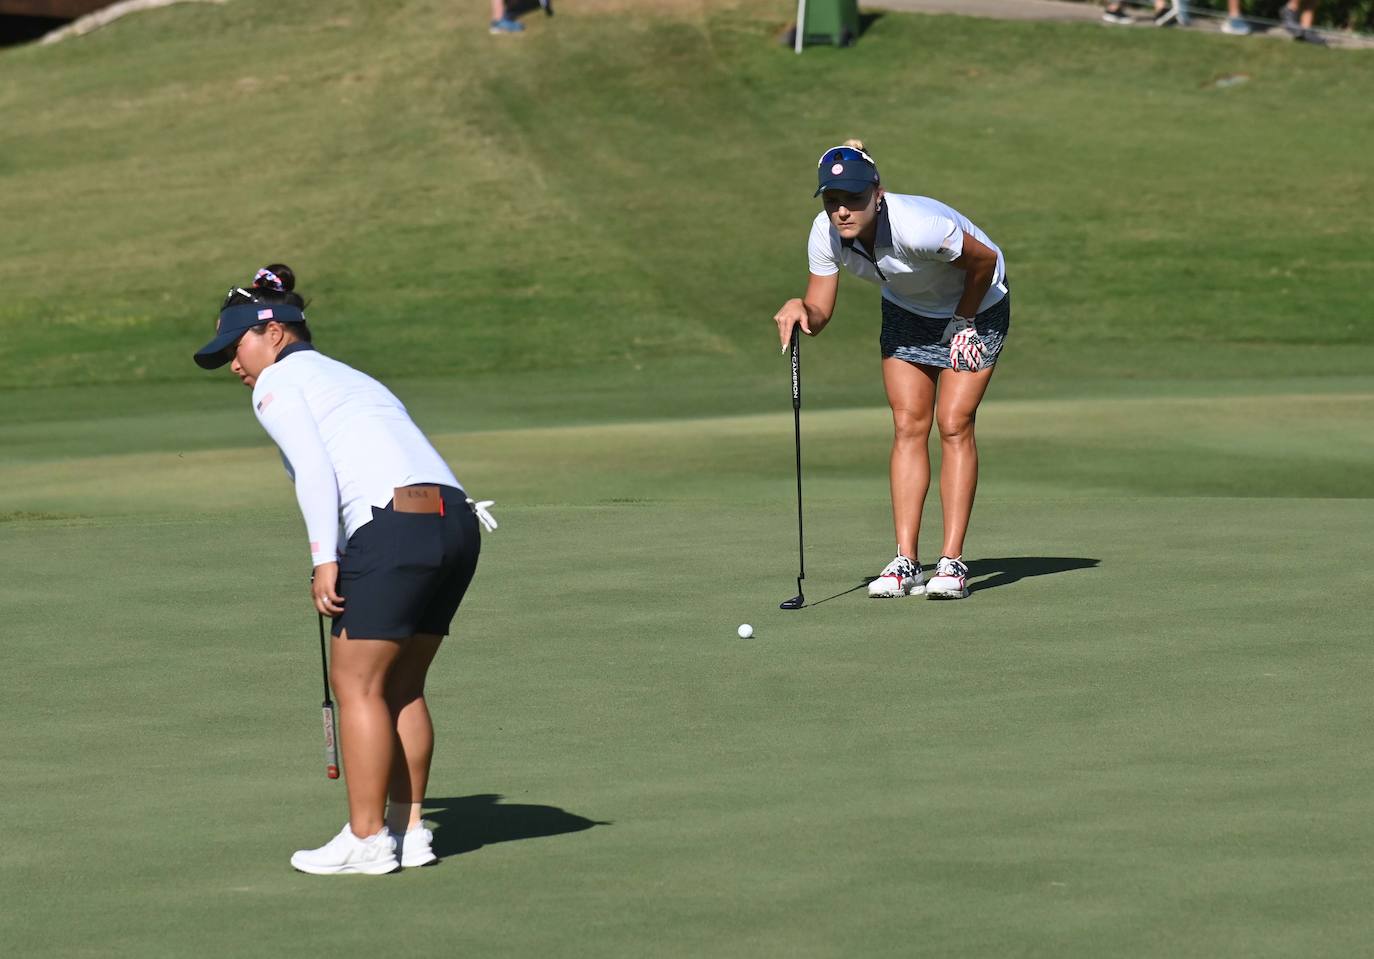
pixel 745 631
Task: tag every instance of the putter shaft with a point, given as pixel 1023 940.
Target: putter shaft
pixel 796 602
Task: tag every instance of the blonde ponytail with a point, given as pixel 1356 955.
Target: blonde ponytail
pixel 856 143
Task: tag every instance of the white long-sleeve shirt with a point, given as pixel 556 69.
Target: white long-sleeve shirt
pixel 918 238
pixel 346 440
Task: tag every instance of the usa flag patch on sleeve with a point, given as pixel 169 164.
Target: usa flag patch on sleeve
pixel 266 401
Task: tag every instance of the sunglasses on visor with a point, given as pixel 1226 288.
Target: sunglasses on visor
pixel 843 155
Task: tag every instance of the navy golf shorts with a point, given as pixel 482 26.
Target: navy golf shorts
pixel 405 573
pixel 916 338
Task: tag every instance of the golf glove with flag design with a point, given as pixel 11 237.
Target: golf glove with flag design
pixel 965 345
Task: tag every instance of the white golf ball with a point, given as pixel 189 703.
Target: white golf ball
pixel 745 631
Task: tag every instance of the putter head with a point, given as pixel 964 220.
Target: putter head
pixel 796 602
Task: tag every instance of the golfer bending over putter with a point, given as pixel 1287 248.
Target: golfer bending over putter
pixel 410 545
pixel 946 311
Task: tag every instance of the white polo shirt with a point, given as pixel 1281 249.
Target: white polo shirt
pixel 346 440
pixel 918 238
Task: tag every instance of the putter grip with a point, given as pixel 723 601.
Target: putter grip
pixel 796 369
pixel 331 754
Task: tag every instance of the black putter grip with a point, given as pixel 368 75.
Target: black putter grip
pixel 796 367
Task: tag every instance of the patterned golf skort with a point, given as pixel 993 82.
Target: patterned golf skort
pixel 916 339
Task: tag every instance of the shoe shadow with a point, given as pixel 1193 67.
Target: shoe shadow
pixel 466 823
pixel 1000 572
pixel 1011 569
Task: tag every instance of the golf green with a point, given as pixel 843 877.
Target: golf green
pixel 1143 733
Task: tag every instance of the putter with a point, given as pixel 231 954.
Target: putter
pixel 331 753
pixel 798 601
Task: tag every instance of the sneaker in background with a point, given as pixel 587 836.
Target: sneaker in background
pixel 417 847
pixel 1237 27
pixel 950 580
pixel 1290 21
pixel 507 25
pixel 901 577
pixel 1116 14
pixel 347 854
pixel 1167 16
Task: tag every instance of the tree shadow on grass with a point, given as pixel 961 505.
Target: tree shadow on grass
pixel 1011 569
pixel 466 823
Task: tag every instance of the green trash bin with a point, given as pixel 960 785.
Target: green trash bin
pixel 831 21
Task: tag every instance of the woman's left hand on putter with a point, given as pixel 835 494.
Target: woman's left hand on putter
pixel 323 589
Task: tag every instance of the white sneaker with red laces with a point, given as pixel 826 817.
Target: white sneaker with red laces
pixel 950 580
pixel 901 577
pixel 346 853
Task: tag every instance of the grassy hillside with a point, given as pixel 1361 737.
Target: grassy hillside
pixel 627 191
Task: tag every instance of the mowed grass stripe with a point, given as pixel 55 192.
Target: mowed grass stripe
pixel 1309 446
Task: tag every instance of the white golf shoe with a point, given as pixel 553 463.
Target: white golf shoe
pixel 416 847
pixel 950 580
pixel 347 854
pixel 901 577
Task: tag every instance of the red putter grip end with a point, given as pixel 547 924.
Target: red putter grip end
pixel 332 772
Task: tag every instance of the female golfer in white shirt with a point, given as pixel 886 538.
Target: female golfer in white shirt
pixel 409 542
pixel 946 311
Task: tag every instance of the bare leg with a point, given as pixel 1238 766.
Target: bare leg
pixel 358 673
pixel 911 394
pixel 405 698
pixel 955 410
